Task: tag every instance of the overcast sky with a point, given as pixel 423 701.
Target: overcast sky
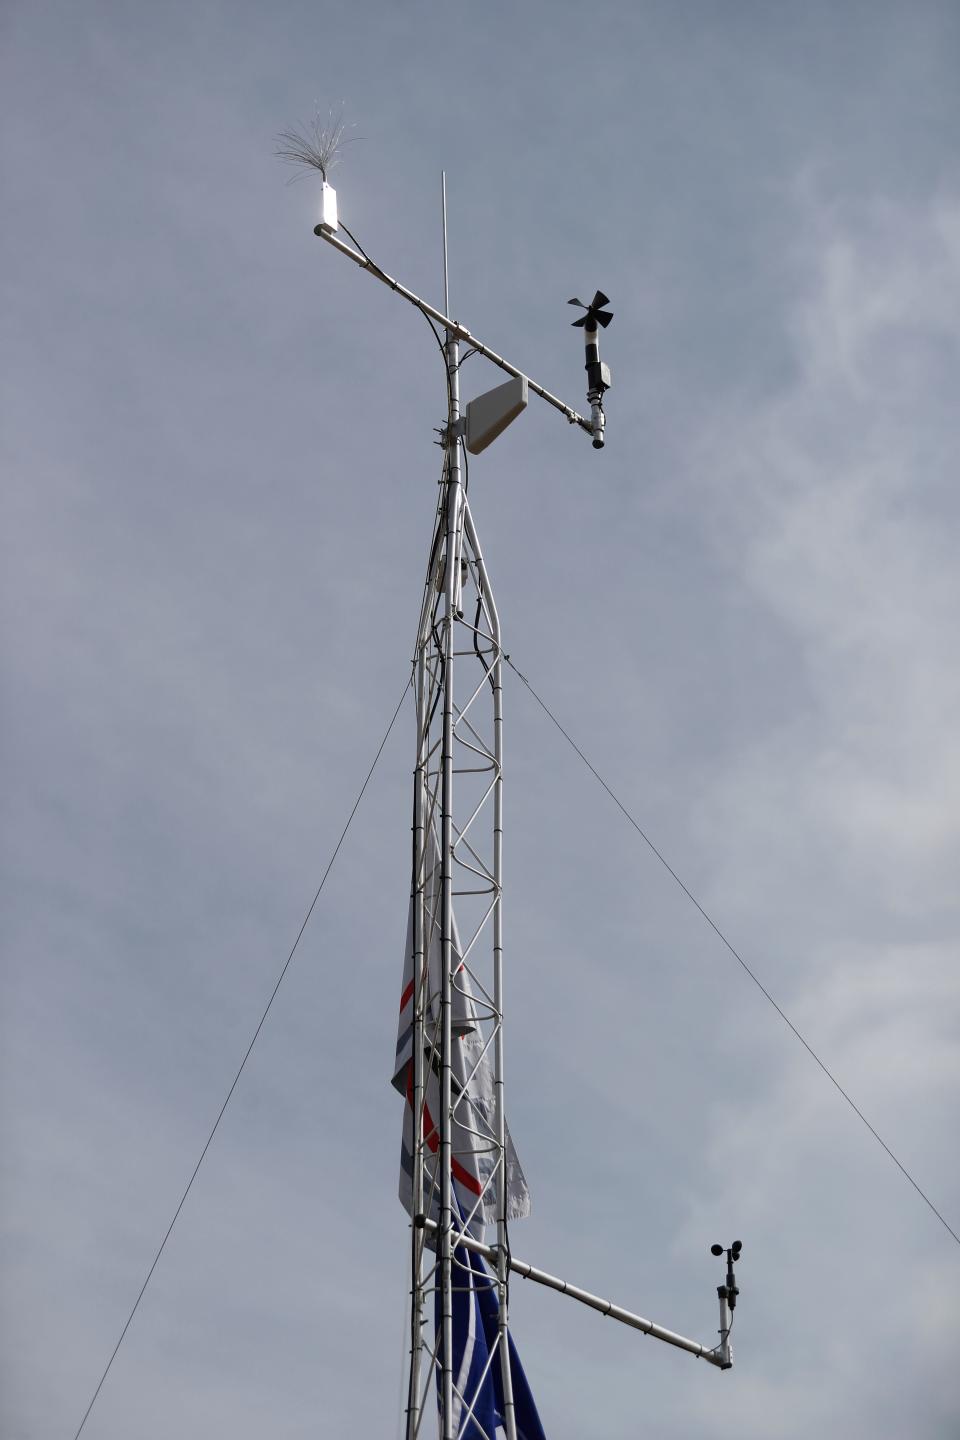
pixel 219 484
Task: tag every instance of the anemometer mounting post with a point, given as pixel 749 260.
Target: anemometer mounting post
pixel 715 1356
pixel 727 1295
pixel 598 374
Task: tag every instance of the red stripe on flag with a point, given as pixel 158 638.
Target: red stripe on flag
pixel 466 1179
pixel 470 1182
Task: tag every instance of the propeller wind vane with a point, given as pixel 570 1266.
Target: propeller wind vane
pixel 595 315
pixel 595 319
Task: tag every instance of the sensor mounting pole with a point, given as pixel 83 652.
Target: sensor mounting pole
pixel 598 374
pixel 727 1295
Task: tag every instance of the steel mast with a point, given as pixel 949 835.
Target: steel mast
pixel 459 778
pixel 456 979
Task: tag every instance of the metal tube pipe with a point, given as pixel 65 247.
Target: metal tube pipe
pixel 595 1302
pixel 503 1270
pixel 446 262
pixel 452 327
pixel 451 607
pixel 501 1264
pixel 417 893
pixel 724 1349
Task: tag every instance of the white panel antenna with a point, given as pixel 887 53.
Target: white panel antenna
pixel 490 414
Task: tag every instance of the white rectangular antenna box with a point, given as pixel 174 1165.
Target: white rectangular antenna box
pixel 328 207
pixel 490 414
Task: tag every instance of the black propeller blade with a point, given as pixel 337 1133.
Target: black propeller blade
pixel 595 314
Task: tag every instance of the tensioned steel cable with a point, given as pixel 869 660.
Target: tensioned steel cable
pixel 266 1012
pixel 733 951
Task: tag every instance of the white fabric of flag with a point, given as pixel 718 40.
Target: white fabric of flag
pixel 473 1132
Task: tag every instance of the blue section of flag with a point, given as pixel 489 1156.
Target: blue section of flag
pixel 475 1316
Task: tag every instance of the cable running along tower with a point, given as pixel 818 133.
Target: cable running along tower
pixel 461 1180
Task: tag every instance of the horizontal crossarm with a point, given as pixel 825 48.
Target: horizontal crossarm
pixel 452 327
pixel 719 1356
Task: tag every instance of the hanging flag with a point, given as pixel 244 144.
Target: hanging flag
pixel 476 1362
pixel 473 1133
pixel 478 1403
